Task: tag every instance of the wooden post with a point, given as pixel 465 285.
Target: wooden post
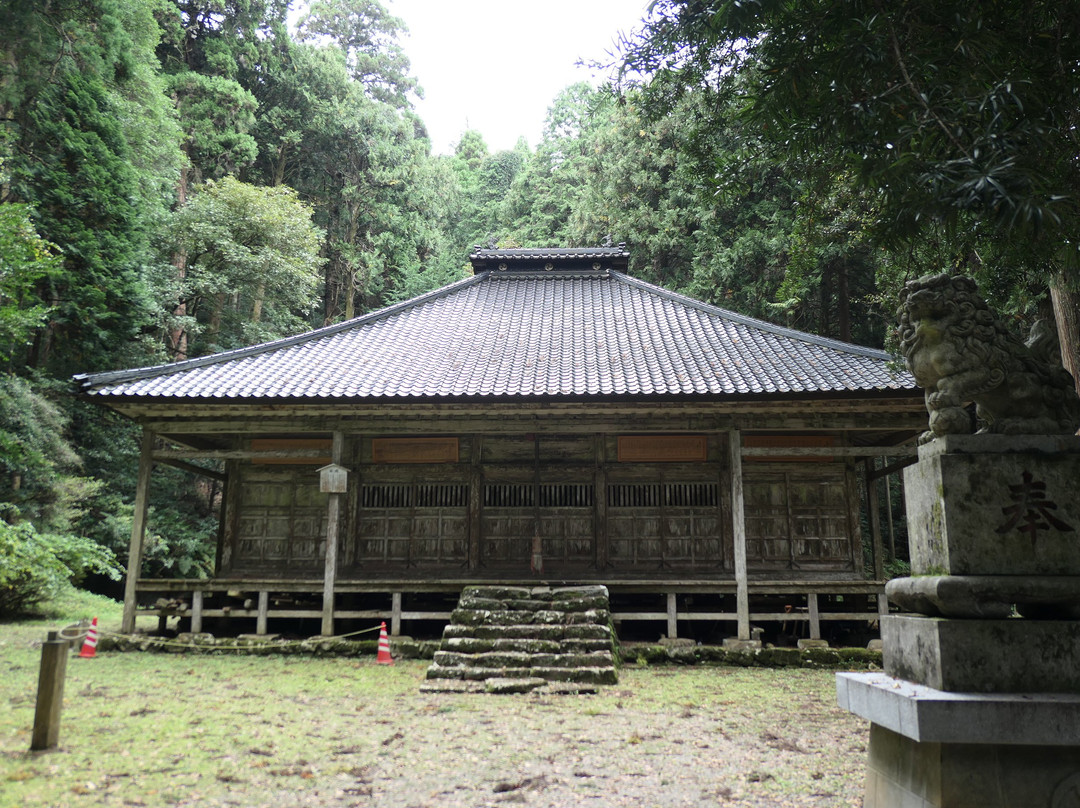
pixel 672 616
pixel 874 515
pixel 600 535
pixel 738 528
pixel 196 611
pixel 333 519
pixel 264 610
pixel 815 616
pixel 50 695
pixel 476 501
pixel 395 614
pixel 888 512
pixel 138 532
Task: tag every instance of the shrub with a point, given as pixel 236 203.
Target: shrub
pixel 35 566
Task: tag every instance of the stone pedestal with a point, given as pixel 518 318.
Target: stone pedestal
pixel 979 705
pixel 934 749
pixel 995 505
pixel 983 656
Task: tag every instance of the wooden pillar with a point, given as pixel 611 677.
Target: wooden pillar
pixel 333 522
pixel 264 611
pixel 600 534
pixel 138 531
pixel 50 694
pixel 672 616
pixel 815 616
pixel 888 512
pixel 196 611
pixel 395 614
pixel 738 528
pixel 874 516
pixel 476 501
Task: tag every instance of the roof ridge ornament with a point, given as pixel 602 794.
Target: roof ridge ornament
pixel 586 260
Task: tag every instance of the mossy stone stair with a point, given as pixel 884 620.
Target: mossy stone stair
pixel 515 639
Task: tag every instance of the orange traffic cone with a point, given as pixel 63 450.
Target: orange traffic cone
pixel 89 646
pixel 384 657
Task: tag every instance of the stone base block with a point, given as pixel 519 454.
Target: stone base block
pixel 995 505
pixel 928 715
pixel 902 773
pixel 984 656
pixel 735 644
pixel 988 596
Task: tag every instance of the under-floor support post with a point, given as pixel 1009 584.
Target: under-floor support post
pixel 264 610
pixel 395 613
pixel 672 617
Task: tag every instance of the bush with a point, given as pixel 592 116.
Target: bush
pixel 35 566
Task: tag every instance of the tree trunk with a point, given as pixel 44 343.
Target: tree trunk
pixel 260 296
pixel 178 338
pixel 843 306
pixel 1067 317
pixel 826 301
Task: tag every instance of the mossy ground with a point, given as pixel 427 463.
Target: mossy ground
pixel 208 730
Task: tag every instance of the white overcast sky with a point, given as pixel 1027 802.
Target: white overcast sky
pixel 496 65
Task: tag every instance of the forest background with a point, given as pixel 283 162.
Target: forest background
pixel 180 177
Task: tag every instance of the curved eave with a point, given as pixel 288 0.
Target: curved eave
pixel 118 402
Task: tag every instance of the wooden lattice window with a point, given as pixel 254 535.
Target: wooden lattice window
pixel 419 495
pixel 508 495
pixel 552 495
pixel 657 495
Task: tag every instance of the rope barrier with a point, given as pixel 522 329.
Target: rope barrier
pixel 76 632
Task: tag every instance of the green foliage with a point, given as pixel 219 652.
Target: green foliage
pixel 34 456
pixel 35 566
pixel 26 260
pixel 218 115
pixel 368 36
pixel 960 117
pixel 252 264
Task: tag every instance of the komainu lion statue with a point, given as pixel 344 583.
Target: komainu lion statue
pixel 959 352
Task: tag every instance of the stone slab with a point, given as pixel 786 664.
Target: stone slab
pixel 983 656
pixel 929 715
pixel 995 505
pixel 902 773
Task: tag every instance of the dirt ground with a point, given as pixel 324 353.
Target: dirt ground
pixel 142 729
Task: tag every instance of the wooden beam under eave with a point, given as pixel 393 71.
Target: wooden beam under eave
pixel 192 468
pixel 617 421
pixel 138 531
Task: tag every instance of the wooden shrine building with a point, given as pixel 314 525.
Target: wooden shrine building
pixel 548 419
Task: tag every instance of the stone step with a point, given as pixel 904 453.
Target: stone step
pixel 530 631
pixel 476 645
pixel 578 603
pixel 600 675
pixel 511 617
pixel 500 633
pixel 535 592
pixel 519 659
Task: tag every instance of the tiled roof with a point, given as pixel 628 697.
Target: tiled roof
pixel 518 334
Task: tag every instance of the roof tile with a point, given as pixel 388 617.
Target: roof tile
pixel 524 334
